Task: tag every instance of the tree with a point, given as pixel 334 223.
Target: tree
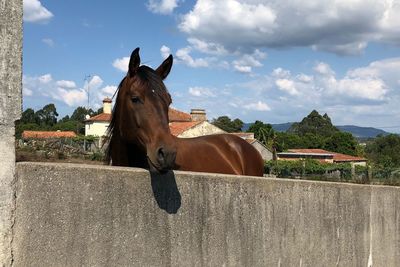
pixel 226 124
pixel 70 125
pixel 285 141
pixel 265 134
pixel 28 116
pixel 66 118
pixel 80 113
pixel 315 124
pixel 46 116
pixel 342 142
pixel 385 150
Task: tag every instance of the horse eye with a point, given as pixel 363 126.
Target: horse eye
pixel 135 99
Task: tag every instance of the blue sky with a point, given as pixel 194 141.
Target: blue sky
pixel 269 60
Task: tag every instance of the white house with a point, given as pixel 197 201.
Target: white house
pixel 97 125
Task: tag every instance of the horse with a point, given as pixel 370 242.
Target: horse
pixel 139 133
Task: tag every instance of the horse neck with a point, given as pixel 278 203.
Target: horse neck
pixel 127 154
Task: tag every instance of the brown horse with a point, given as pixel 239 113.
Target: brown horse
pixel 140 135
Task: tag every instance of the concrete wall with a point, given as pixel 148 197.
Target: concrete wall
pixel 76 215
pixel 10 110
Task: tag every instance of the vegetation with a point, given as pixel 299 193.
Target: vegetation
pixel 45 119
pixel 309 168
pixel 384 151
pixel 228 125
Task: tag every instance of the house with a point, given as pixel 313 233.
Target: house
pixel 98 125
pixel 47 134
pixel 322 156
pixel 266 153
pixel 191 125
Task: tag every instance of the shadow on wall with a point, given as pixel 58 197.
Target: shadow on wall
pixel 166 191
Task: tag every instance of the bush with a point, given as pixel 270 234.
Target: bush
pixel 311 169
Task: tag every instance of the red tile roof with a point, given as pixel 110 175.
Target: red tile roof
pixel 176 115
pixel 337 157
pixel 101 117
pixel 47 134
pixel 179 127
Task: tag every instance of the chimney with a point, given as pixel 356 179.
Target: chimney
pixel 107 105
pixel 198 114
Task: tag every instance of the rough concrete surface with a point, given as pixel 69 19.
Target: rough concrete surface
pixel 77 215
pixel 10 110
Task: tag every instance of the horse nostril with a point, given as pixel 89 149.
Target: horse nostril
pixel 161 154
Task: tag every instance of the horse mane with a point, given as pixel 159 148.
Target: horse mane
pixel 154 81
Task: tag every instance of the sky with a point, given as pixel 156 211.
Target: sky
pixel 268 60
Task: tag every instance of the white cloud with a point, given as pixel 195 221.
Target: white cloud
pixel 95 82
pixel 48 42
pixel 45 78
pixel 66 91
pixel 66 84
pixel 287 85
pixel 72 98
pixel 341 27
pixel 121 64
pixel 207 47
pixel 257 106
pixel 34 11
pixel 165 51
pixel 183 55
pixel 109 90
pixel 201 92
pixel 26 91
pixel 304 78
pixel 247 61
pixel 162 6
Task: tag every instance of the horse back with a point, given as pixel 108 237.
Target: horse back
pixel 221 153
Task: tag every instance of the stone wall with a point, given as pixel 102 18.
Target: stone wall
pixel 76 215
pixel 10 110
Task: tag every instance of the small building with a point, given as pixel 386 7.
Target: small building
pixel 195 124
pixel 47 134
pixel 98 125
pixel 266 153
pixel 322 156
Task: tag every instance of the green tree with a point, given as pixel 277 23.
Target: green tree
pixel 385 150
pixel 47 116
pixel 80 113
pixel 285 141
pixel 314 124
pixel 70 125
pixel 28 116
pixel 226 124
pixel 265 134
pixel 342 142
pixel 64 119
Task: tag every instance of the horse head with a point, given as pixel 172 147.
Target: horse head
pixel 142 112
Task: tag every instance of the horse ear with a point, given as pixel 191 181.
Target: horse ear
pixel 165 67
pixel 134 62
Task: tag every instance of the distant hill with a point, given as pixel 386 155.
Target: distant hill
pixel 362 132
pixel 282 127
pixel 357 131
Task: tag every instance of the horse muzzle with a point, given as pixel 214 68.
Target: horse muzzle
pixel 163 160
